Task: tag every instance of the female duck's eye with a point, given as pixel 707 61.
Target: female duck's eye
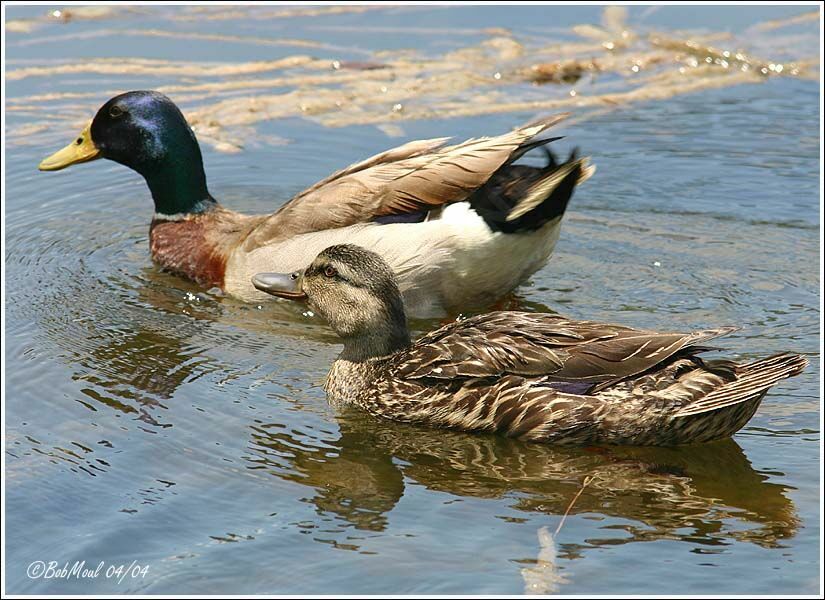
pixel 115 111
pixel 330 271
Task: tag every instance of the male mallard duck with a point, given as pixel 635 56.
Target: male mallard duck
pixel 534 376
pixel 460 225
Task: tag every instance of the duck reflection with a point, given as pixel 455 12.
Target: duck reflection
pixel 353 477
pixel 135 373
pixel 136 342
pixel 134 350
pixel 690 493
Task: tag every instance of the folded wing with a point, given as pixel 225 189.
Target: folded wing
pixel 540 344
pixel 417 177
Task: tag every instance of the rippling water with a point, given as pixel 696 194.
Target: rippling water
pixel 149 420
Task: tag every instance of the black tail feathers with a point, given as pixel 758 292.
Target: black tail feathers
pixel 521 198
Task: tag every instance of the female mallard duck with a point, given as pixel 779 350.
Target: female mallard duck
pixel 460 225
pixel 538 377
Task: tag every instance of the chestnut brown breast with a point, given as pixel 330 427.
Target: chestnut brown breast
pixel 186 248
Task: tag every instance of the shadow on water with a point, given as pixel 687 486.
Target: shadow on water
pixel 688 493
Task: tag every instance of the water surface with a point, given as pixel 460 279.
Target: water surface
pixel 149 420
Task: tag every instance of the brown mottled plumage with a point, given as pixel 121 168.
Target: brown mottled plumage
pixel 537 377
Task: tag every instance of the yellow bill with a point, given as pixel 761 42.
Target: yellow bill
pixel 82 149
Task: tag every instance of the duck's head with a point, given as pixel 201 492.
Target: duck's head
pixel 146 132
pixel 355 291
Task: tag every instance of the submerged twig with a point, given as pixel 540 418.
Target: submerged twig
pixel 585 483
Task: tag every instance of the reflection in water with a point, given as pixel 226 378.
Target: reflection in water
pixel 144 414
pixel 144 369
pixel 134 351
pixel 543 577
pixel 689 493
pixel 135 337
pixel 134 340
pixel 353 478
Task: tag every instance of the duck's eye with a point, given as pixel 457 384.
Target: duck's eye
pixel 330 271
pixel 115 111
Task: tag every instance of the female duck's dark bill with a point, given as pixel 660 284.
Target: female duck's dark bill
pixel 283 285
pixel 82 149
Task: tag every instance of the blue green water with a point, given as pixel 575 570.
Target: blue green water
pixel 149 422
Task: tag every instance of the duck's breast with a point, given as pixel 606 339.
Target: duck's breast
pixel 188 248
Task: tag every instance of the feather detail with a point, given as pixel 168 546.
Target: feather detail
pixel 534 376
pixel 415 177
pixel 540 377
pixel 542 344
pixel 198 246
pixel 751 379
pixel 545 187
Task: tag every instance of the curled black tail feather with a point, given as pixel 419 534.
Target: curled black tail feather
pixel 552 163
pixel 522 198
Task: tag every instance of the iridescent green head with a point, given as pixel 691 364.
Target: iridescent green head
pixel 146 132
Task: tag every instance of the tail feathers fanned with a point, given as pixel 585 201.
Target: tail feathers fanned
pixel 752 379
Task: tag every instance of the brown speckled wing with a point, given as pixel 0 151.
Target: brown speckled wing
pixel 535 344
pixel 544 378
